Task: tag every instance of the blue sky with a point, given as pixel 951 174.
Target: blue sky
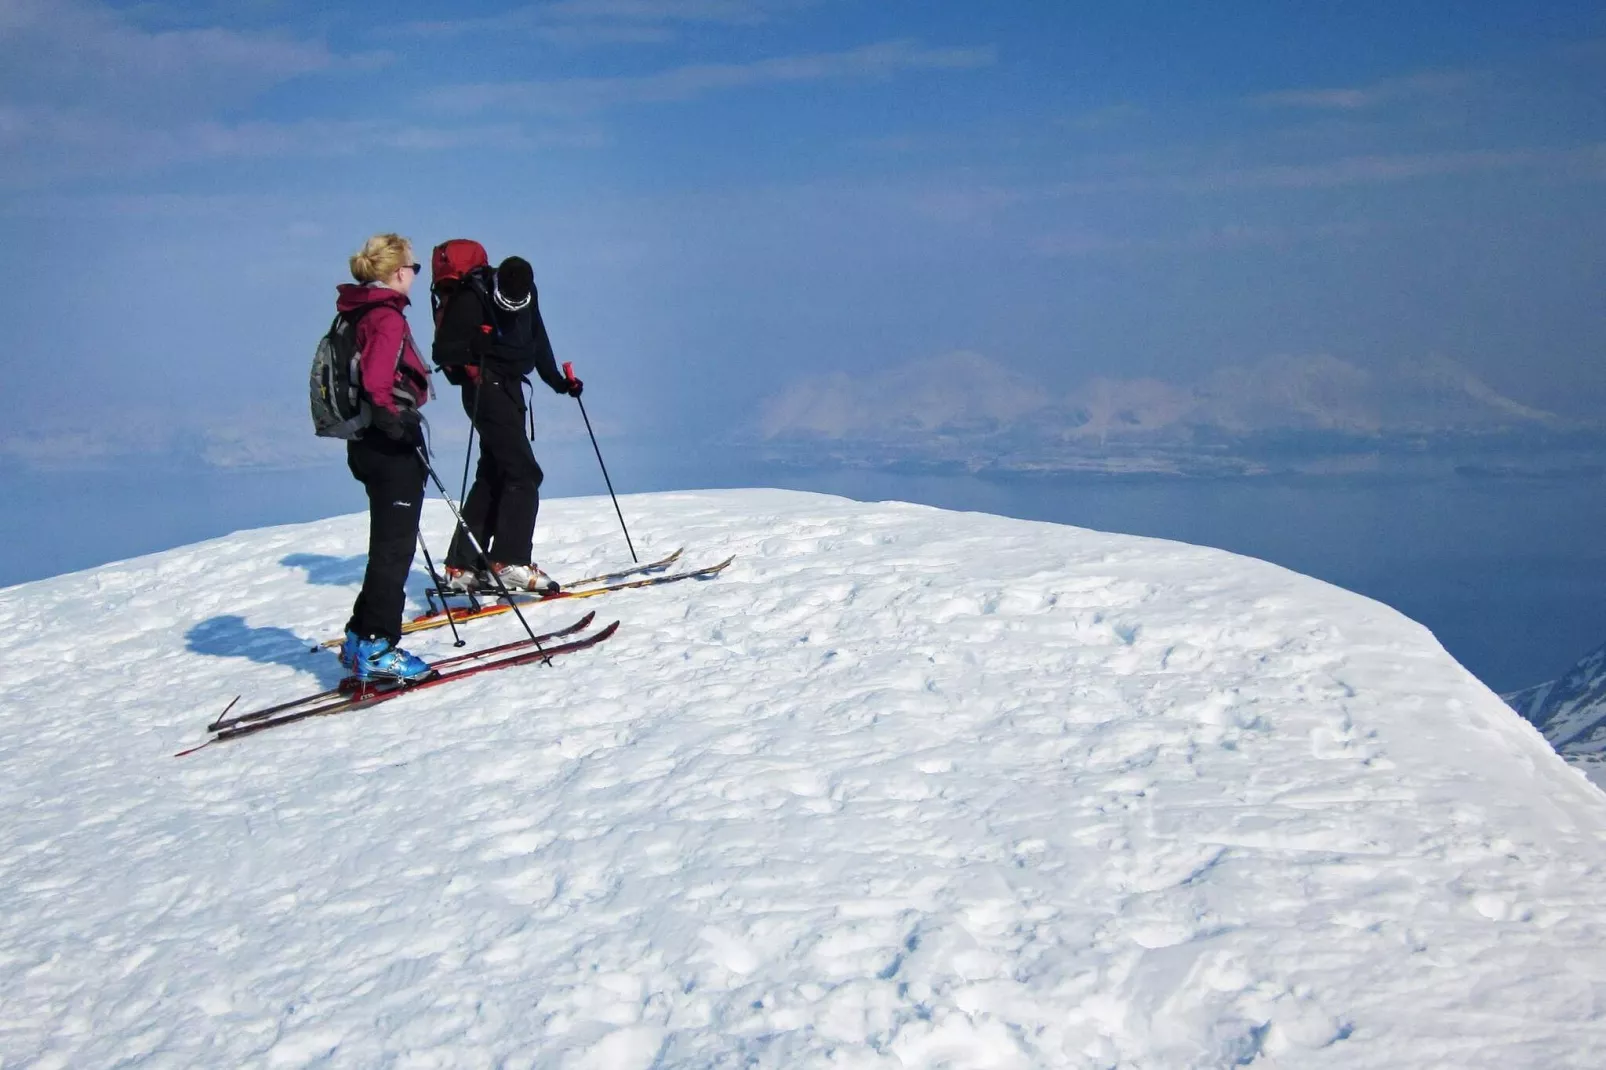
pixel 723 196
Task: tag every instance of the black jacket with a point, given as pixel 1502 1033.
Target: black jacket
pixel 473 330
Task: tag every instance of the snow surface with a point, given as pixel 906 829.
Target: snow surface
pixel 902 788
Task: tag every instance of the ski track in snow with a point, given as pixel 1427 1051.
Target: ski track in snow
pixel 902 788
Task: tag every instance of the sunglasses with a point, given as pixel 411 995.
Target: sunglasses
pixel 416 267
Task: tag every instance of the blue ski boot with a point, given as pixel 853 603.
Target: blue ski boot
pixel 380 659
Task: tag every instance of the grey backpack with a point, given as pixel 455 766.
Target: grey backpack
pixel 338 408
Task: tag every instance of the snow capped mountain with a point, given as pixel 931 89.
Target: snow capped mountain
pixel 1322 393
pixel 901 788
pixel 968 406
pixel 1571 712
pixel 957 391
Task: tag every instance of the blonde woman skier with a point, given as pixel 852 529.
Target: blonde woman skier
pixel 385 458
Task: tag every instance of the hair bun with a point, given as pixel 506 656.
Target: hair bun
pixel 381 257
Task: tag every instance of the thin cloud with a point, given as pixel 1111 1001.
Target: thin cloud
pixel 985 207
pixel 583 23
pixel 1383 169
pixel 41 145
pixel 734 11
pixel 1592 50
pixel 576 96
pixel 1105 118
pixel 970 206
pixel 1228 236
pixel 86 89
pixel 1322 99
pixel 1583 162
pixel 76 54
pixel 1434 86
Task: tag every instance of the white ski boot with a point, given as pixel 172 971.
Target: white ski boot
pixel 463 581
pixel 525 578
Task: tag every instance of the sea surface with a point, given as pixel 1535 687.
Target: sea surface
pixel 1509 573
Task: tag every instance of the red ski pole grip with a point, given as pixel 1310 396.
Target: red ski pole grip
pixel 568 369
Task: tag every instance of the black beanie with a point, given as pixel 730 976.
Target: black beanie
pixel 515 279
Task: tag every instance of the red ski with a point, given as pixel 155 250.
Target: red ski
pixel 352 695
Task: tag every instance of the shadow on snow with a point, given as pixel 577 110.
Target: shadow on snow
pixel 232 637
pixel 327 571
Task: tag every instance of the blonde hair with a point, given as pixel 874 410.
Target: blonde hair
pixel 382 256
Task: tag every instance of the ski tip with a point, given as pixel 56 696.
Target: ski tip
pixel 219 718
pixel 198 746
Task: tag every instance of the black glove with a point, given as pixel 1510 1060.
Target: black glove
pixel 574 387
pixel 412 429
pixel 405 428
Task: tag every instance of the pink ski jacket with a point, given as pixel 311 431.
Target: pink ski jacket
pixel 394 375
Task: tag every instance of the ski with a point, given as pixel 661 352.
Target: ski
pixel 375 694
pixel 608 577
pixel 224 721
pixel 437 618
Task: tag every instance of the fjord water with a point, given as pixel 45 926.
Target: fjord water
pixel 1508 573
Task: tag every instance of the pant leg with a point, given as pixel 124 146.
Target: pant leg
pixel 518 476
pixel 479 511
pixel 393 476
pixel 492 482
pixel 479 506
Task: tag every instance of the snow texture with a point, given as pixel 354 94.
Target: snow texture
pixel 902 788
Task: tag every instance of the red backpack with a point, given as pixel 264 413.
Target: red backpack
pixel 448 264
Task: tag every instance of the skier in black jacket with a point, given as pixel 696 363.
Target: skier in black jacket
pixel 491 329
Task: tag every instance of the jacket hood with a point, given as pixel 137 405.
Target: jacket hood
pixel 352 296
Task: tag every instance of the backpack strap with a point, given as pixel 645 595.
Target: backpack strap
pixel 476 281
pixel 398 393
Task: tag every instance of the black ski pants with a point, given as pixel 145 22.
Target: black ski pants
pixel 501 506
pixel 393 476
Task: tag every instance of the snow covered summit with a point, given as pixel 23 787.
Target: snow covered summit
pixel 902 788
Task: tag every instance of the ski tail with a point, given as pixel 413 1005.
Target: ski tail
pixel 708 572
pixel 625 573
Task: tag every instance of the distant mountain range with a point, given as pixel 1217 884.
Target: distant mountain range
pixel 967 411
pixel 1571 712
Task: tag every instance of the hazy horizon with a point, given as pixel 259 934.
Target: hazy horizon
pixel 722 198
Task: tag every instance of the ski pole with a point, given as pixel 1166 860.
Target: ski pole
pixel 568 373
pixel 440 589
pixel 462 526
